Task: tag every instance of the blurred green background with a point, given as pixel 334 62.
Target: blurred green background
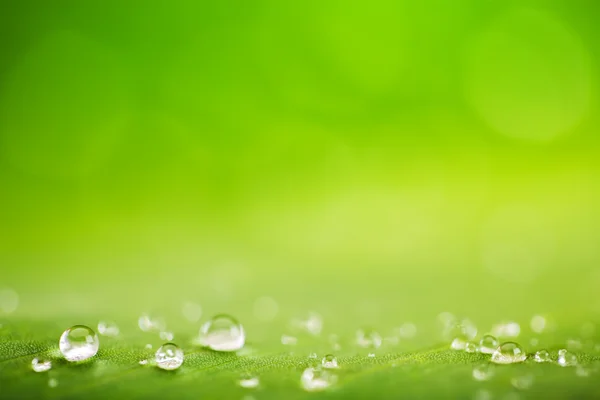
pixel 369 160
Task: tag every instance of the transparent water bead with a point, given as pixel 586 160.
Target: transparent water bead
pixel 459 343
pixel 249 382
pixel 222 333
pixel 509 353
pixel 78 343
pixel 488 344
pixel 368 339
pixel 317 379
pixel 483 372
pixel 312 356
pixel 566 358
pixel 143 362
pixel 542 356
pixel 470 347
pixel 329 361
pixel 169 356
pixel 108 329
pixel 41 365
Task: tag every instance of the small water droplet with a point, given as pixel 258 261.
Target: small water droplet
pixel 329 361
pixel 52 383
pixel 566 358
pixel 317 379
pixel 538 323
pixel 169 356
pixel 312 355
pixel 459 343
pixel 288 340
pixel 483 372
pixel 168 336
pixel 488 344
pixel 191 311
pixel 368 339
pixel 522 382
pixel 470 347
pixel 371 355
pixel 78 343
pixel 148 346
pixel 143 362
pixel 542 356
pixel 508 353
pixel 248 381
pixel 222 333
pixel 41 365
pixel 108 329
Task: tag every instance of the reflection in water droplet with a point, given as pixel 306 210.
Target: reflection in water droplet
pixel 78 343
pixel 329 361
pixel 508 353
pixel 41 365
pixel 566 358
pixel 488 344
pixel 169 356
pixel 222 333
pixel 459 343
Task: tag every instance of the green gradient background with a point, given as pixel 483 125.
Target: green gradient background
pixel 363 159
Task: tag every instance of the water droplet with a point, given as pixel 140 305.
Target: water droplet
pixel 169 356
pixel 371 355
pixel 148 346
pixel 168 336
pixel 78 343
pixel 459 343
pixel 368 339
pixel 148 324
pixel 222 333
pixel 506 329
pixel 483 372
pixel 52 383
pixel 191 311
pixel 248 381
pixel 566 358
pixel 508 353
pixel 41 365
pixel 523 382
pixel 9 300
pixel 312 355
pixel 143 362
pixel 108 329
pixel 470 347
pixel 488 344
pixel 407 330
pixel 288 340
pixel 542 356
pixel 329 361
pixel 316 379
pixel 265 309
pixel 538 323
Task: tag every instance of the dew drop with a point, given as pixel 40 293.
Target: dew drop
pixel 248 381
pixel 566 358
pixel 371 355
pixel 312 355
pixel 508 353
pixel 483 372
pixel 368 339
pixel 222 333
pixel 329 361
pixel 41 365
pixel 522 382
pixel 148 346
pixel 143 362
pixel 108 329
pixel 78 343
pixel 459 343
pixel 288 340
pixel 470 347
pixel 169 356
pixel 488 344
pixel 317 379
pixel 542 356
pixel 52 383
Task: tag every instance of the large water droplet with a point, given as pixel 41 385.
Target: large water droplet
pixel 566 358
pixel 368 339
pixel 39 365
pixel 316 379
pixel 78 343
pixel 483 372
pixel 488 344
pixel 169 356
pixel 222 333
pixel 508 353
pixel 542 356
pixel 329 361
pixel 248 381
pixel 108 329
